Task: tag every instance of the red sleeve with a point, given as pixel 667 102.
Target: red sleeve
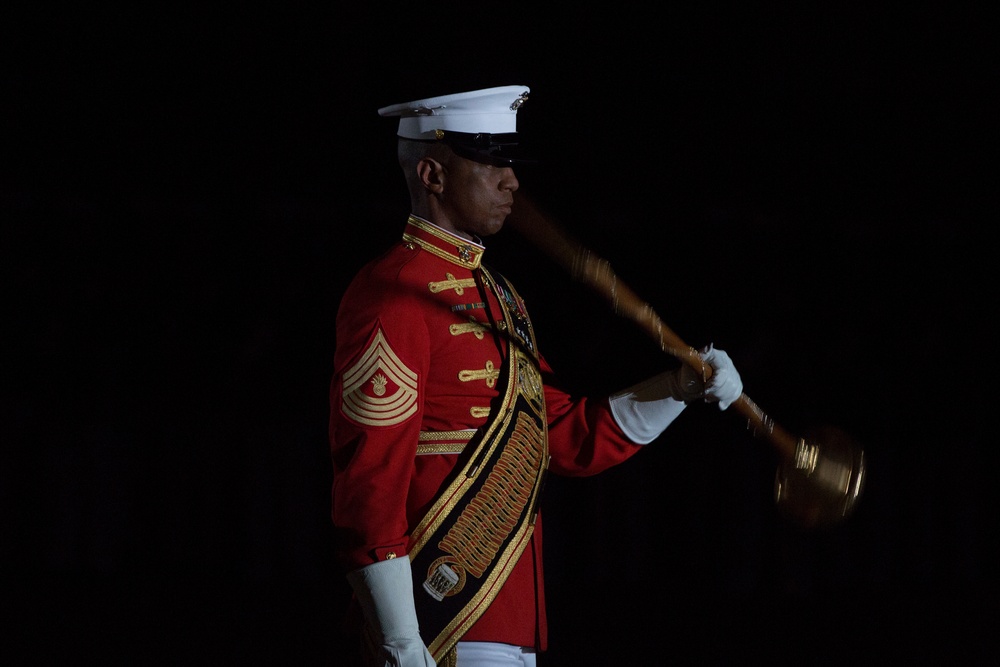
pixel 584 438
pixel 376 408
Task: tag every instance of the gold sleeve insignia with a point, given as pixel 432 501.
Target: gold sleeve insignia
pixel 379 390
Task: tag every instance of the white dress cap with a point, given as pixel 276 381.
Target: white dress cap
pixel 490 110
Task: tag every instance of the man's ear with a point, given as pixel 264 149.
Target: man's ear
pixel 431 174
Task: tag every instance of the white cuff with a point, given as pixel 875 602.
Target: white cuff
pixel 385 592
pixel 645 410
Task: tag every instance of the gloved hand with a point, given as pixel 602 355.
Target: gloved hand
pixel 645 410
pixel 385 592
pixel 725 386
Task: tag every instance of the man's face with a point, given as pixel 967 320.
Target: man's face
pixel 476 196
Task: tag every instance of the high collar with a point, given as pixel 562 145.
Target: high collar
pixel 442 243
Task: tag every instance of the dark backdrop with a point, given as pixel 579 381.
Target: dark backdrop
pixel 187 192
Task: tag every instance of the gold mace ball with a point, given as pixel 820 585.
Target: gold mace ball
pixel 822 483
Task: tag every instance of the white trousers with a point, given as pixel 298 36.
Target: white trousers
pixel 492 654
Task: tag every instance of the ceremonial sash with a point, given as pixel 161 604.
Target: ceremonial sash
pixel 466 545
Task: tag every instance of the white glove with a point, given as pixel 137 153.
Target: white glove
pixel 645 410
pixel 385 592
pixel 725 386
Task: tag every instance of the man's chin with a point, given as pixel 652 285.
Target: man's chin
pixel 492 227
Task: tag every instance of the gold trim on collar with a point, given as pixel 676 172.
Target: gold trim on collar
pixel 444 244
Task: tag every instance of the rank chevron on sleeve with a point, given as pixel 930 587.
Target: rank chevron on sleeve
pixel 379 390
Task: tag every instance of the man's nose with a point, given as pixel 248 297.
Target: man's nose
pixel 509 181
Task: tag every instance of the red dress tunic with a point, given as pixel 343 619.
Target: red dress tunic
pixel 415 372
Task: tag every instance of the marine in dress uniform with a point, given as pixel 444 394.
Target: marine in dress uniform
pixel 444 422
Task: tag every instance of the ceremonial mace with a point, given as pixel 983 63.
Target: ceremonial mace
pixel 819 478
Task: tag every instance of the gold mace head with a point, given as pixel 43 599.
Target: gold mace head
pixel 822 483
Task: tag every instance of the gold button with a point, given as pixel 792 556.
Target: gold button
pixel 390 555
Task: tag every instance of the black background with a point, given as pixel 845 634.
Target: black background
pixel 188 190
